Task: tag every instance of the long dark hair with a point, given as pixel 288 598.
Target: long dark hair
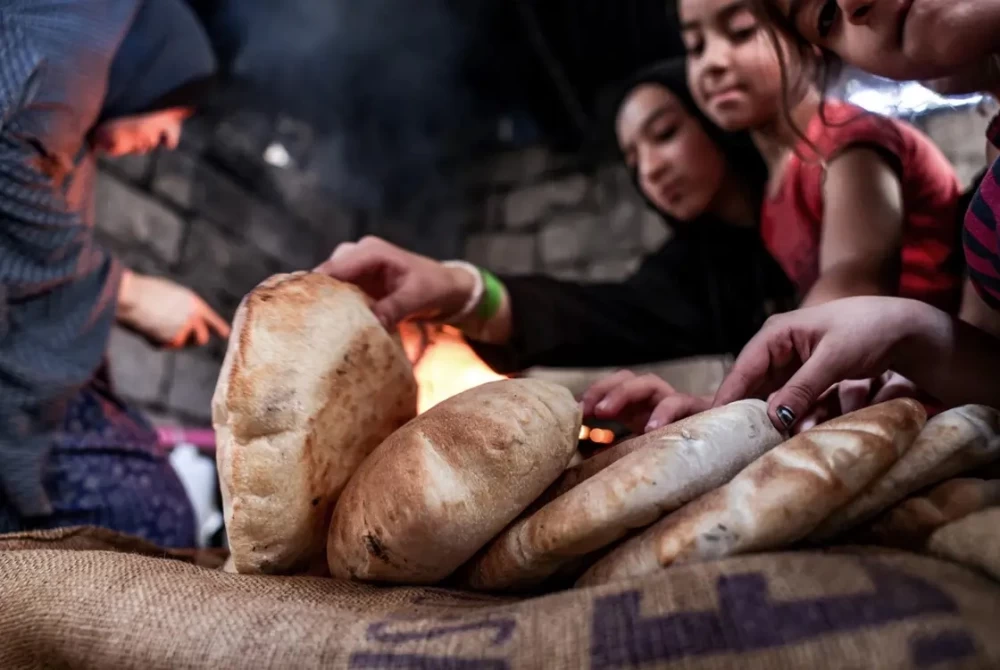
pixel 740 153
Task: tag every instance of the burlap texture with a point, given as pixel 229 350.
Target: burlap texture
pixel 88 599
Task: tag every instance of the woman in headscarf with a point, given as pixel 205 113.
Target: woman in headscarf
pixel 706 291
pixel 75 78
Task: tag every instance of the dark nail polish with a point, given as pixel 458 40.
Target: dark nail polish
pixel 786 416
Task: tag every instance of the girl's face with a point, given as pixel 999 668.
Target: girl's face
pixel 900 39
pixel 678 166
pixel 733 69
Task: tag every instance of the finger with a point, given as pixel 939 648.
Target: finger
pixel 408 300
pixel 595 394
pixel 795 398
pixel 354 263
pixel 675 408
pixel 854 394
pixel 341 250
pixel 896 386
pixel 763 366
pixel 180 339
pixel 216 323
pixel 635 394
pixel 201 333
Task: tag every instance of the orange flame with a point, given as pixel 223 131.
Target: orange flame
pixel 448 367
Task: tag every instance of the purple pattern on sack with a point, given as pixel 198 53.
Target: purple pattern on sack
pixel 748 619
pixel 947 647
pixel 376 661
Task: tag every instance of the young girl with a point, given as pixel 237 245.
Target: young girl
pixel 954 41
pixel 857 204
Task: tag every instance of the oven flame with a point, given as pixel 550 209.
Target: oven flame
pixel 446 367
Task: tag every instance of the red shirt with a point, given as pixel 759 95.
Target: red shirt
pixel 792 219
pixel 982 234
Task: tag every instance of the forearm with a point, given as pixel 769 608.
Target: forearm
pixel 955 362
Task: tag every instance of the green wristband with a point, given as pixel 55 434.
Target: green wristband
pixel 492 298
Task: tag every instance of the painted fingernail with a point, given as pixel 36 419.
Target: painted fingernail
pixel 785 416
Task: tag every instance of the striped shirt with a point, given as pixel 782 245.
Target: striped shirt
pixel 981 236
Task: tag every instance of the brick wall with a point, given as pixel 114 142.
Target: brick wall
pixel 216 217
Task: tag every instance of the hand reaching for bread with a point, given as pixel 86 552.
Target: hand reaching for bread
pixel 166 313
pixel 641 403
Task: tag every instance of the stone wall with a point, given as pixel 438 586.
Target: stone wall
pixel 216 217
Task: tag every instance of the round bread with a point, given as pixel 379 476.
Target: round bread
pixel 311 384
pixel 444 485
pixel 671 467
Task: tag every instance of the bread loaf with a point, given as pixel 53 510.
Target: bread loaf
pixel 440 488
pixel 310 385
pixel 659 472
pixel 910 524
pixel 951 444
pixel 778 499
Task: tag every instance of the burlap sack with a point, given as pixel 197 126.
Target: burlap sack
pixel 82 599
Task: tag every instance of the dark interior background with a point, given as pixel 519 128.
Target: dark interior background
pixel 398 93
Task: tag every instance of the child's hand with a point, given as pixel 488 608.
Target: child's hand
pixel 799 355
pixel 641 404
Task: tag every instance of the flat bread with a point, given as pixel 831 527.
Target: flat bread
pixel 911 523
pixel 440 488
pixel 311 384
pixel 952 443
pixel 778 499
pixel 670 467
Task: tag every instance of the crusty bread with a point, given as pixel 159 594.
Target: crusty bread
pixel 671 467
pixel 951 444
pixel 440 488
pixel 910 524
pixel 778 499
pixel 311 384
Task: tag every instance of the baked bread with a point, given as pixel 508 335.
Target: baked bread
pixel 952 443
pixel 444 485
pixel 659 472
pixel 778 499
pixel 910 524
pixel 310 385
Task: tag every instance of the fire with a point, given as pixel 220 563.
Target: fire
pixel 446 367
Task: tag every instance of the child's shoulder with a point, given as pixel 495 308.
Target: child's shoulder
pixel 841 124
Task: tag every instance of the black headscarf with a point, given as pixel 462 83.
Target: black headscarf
pixel 165 61
pixel 740 153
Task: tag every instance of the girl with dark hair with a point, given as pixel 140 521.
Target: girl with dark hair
pixel 953 42
pixel 705 292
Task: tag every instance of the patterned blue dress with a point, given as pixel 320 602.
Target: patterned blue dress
pixel 106 469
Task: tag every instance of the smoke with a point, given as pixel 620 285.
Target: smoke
pixel 382 83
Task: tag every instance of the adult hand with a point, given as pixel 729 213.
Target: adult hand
pixel 640 403
pixel 801 354
pixel 402 284
pixel 166 313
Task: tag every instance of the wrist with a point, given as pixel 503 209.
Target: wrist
pixel 925 335
pixel 127 299
pixel 466 294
